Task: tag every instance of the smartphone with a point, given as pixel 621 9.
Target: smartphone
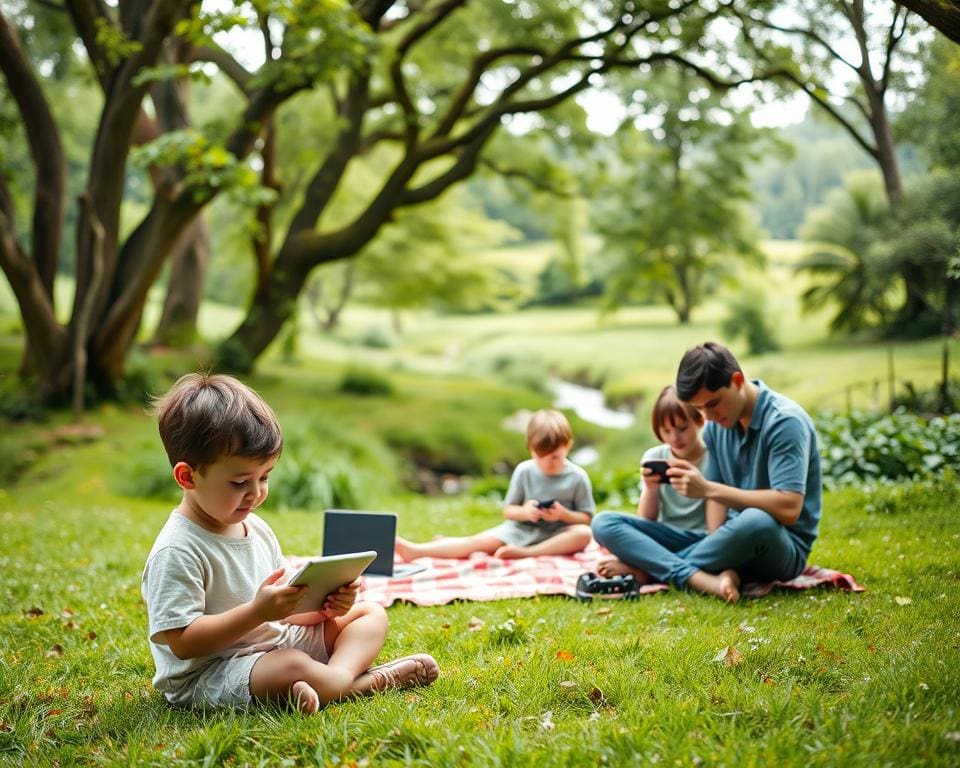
pixel 658 467
pixel 546 503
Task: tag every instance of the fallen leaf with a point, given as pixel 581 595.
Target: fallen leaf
pixel 91 635
pixel 445 625
pixel 604 611
pixel 564 656
pixel 596 696
pixel 900 600
pixel 34 613
pixel 767 680
pixel 568 684
pixel 56 650
pixel 729 656
pixel 475 624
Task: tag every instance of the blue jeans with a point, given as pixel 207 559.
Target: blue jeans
pixel 751 542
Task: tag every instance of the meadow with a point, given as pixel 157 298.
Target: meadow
pixel 820 677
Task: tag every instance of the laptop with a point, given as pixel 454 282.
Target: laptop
pixel 353 531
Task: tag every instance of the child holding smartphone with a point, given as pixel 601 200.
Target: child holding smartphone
pixel 548 505
pixel 678 425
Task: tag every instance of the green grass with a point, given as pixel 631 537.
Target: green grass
pixel 827 678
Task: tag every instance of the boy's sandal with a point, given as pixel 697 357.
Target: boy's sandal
pixel 407 671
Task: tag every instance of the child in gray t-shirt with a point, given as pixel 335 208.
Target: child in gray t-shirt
pixel 678 425
pixel 221 616
pixel 548 505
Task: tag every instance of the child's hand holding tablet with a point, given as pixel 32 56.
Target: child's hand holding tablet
pixel 323 576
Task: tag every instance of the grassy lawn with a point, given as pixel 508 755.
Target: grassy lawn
pixel 826 678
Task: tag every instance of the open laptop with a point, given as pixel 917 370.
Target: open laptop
pixel 353 531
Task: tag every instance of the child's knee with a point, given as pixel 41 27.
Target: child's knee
pixel 757 522
pixel 374 613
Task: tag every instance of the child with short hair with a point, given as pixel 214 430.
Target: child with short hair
pixel 677 424
pixel 214 579
pixel 548 505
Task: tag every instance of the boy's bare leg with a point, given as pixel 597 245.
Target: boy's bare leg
pixel 725 585
pixel 353 642
pixel 569 540
pixel 448 546
pixel 614 567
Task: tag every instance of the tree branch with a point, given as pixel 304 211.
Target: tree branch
pixel 226 63
pixel 528 178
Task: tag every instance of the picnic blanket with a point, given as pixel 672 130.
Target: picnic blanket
pixel 484 577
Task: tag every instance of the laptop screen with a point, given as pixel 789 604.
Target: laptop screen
pixel 348 531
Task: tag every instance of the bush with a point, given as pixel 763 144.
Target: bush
pixel 324 465
pixel 864 448
pixel 145 474
pixel 365 382
pixel 748 317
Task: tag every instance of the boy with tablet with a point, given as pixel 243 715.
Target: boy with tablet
pixel 214 581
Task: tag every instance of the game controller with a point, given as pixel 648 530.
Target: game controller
pixel 590 585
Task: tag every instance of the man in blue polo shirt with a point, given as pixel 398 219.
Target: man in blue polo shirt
pixel 762 486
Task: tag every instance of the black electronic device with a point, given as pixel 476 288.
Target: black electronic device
pixel 658 467
pixel 546 503
pixel 591 585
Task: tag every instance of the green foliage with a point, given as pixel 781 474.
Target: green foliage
pixel 861 448
pixel 749 318
pixel 365 382
pixel 844 235
pixel 670 205
pixel 208 166
pixel 324 465
pixel 144 472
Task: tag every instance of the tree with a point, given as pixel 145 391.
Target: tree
pixel 849 56
pixel 844 259
pixel 427 257
pixel 434 81
pixel 671 211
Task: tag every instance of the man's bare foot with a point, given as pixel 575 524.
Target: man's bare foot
pixel 729 585
pixel 725 585
pixel 407 671
pixel 509 552
pixel 304 698
pixel 406 549
pixel 614 567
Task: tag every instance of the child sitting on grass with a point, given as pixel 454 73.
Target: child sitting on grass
pixel 548 505
pixel 214 580
pixel 662 513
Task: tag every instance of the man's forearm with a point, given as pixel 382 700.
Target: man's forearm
pixel 782 506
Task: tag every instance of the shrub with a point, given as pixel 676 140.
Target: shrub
pixel 325 465
pixel 145 474
pixel 365 382
pixel 747 316
pixel 860 448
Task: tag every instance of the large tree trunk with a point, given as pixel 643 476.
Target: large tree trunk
pixel 188 275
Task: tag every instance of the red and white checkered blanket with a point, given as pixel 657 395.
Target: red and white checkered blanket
pixel 484 577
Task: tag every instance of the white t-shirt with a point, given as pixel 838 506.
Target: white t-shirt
pixel 192 572
pixel 679 511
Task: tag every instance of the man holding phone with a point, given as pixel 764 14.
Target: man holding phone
pixel 762 482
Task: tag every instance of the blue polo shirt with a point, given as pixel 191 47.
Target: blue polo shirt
pixel 778 451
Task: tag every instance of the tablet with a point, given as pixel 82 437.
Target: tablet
pixel 324 575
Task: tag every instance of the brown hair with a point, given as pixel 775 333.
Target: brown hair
pixel 709 366
pixel 547 431
pixel 207 417
pixel 669 407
